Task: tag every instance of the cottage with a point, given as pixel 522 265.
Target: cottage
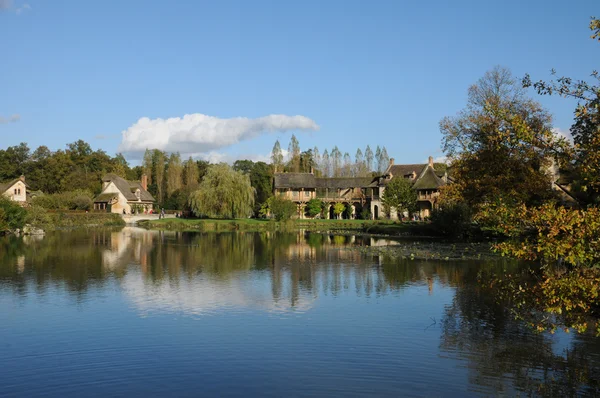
pixel 361 195
pixel 15 190
pixel 121 196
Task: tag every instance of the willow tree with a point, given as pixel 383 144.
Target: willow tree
pixel 223 193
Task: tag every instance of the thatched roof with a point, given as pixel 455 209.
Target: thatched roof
pixel 344 182
pixel 6 185
pixel 428 180
pixel 128 188
pixel 404 170
pixel 294 180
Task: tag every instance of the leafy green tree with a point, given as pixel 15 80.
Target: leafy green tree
pixel 280 208
pixel 314 207
pixel 174 174
pixel 586 128
pixel 223 193
pixel 400 195
pixel 338 209
pixel 501 144
pixel 12 215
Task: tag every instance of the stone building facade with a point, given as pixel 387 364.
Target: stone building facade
pixel 124 197
pixel 361 195
pixel 15 190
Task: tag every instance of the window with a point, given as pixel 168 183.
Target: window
pixel 19 191
pixel 295 194
pixel 15 191
pixel 307 193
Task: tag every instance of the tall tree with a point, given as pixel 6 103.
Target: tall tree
pixel 316 158
pixel 378 160
pixel 174 173
pixel 359 164
pixel 347 168
pixel 294 154
pixel 385 159
pixel 277 157
pixel 500 147
pixel 325 164
pixel 191 174
pixel 336 162
pixel 158 172
pixel 369 159
pixel 399 195
pixel 147 163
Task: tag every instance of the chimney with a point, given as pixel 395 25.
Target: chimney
pixel 22 178
pixel 391 161
pixel 145 182
pixel 431 161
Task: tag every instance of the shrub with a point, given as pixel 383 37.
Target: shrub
pixel 281 208
pixel 314 207
pixel 452 220
pixel 12 215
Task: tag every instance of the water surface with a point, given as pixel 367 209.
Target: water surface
pixel 135 312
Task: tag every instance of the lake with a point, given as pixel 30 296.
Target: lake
pixel 147 313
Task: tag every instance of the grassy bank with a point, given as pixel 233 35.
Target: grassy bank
pixel 60 220
pixel 361 226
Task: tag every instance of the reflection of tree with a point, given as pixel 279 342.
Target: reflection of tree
pixel 479 329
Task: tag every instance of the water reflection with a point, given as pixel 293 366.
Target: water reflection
pixel 423 314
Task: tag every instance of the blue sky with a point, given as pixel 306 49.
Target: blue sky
pixel 365 72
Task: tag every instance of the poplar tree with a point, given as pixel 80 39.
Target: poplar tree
pixel 369 159
pixel 277 157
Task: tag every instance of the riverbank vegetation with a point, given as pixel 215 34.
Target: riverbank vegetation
pixel 504 155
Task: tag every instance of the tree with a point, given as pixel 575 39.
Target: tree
pixel 314 207
pixel 294 154
pixel 385 160
pixel 359 164
pixel 503 147
pixel 338 209
pixel 147 165
pixel 325 164
pixel 277 157
pixel 336 162
pixel 316 158
pixel 347 168
pixel 400 195
pixel 174 174
pixel 378 159
pixel 369 159
pixel 586 128
pixel 223 193
pixel 191 176
pixel 307 162
pixel 158 174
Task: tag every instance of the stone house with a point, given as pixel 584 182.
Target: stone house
pixel 361 194
pixel 15 190
pixel 121 196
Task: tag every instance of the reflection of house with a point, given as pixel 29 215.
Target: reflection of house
pixel 360 193
pixel 15 190
pixel 119 195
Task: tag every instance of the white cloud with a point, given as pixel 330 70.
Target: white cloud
pixel 5 4
pixel 201 134
pixel 562 133
pixel 441 159
pixel 12 119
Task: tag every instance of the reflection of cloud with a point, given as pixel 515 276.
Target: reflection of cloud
pixel 203 296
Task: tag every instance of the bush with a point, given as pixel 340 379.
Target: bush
pixel 314 207
pixel 81 202
pixel 37 216
pixel 12 215
pixel 452 220
pixel 281 208
pixel 73 200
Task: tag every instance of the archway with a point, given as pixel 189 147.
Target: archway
pixel 376 212
pixel 331 213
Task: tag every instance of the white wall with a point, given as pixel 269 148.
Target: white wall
pixel 21 195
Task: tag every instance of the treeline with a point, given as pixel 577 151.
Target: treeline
pixel 329 163
pixel 77 167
